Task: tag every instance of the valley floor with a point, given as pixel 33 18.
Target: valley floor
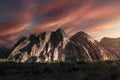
pixel 96 70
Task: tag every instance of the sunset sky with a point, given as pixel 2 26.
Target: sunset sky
pixel 99 18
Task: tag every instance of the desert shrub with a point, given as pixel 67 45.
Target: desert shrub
pixel 81 70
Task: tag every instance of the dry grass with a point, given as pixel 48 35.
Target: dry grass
pixel 96 70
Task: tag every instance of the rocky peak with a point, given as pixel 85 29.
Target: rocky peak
pixel 42 35
pixel 82 34
pixel 90 47
pixel 57 36
pixel 60 31
pixel 112 45
pixel 107 39
pixel 33 38
pixel 56 46
pixel 82 37
pixel 44 47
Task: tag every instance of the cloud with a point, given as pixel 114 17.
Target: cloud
pixel 11 28
pixel 95 19
pixel 22 17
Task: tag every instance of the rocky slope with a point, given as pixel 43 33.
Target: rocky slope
pixel 4 52
pixel 88 48
pixel 112 45
pixel 56 46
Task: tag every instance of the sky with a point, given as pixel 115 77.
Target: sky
pixel 99 18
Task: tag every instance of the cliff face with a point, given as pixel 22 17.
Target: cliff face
pixel 112 45
pixel 88 48
pixel 56 46
pixel 4 52
pixel 47 46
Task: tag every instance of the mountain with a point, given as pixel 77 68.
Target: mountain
pixel 47 46
pixel 4 52
pixel 88 48
pixel 112 45
pixel 56 46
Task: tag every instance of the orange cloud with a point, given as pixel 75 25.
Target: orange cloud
pixel 93 20
pixel 35 16
pixel 11 28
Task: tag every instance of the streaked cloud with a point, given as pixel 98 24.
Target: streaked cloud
pixel 22 17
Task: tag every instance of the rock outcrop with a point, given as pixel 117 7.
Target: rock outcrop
pixel 4 52
pixel 56 46
pixel 112 45
pixel 88 48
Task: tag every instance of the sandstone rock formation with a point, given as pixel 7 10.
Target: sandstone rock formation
pixel 56 46
pixel 88 48
pixel 4 52
pixel 112 45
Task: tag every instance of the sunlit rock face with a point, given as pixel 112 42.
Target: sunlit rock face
pixel 87 48
pixel 47 46
pixel 56 46
pixel 112 45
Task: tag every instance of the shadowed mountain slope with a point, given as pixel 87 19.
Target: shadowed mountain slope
pixel 112 45
pixel 56 46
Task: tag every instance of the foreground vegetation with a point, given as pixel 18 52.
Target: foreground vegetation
pixel 96 70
